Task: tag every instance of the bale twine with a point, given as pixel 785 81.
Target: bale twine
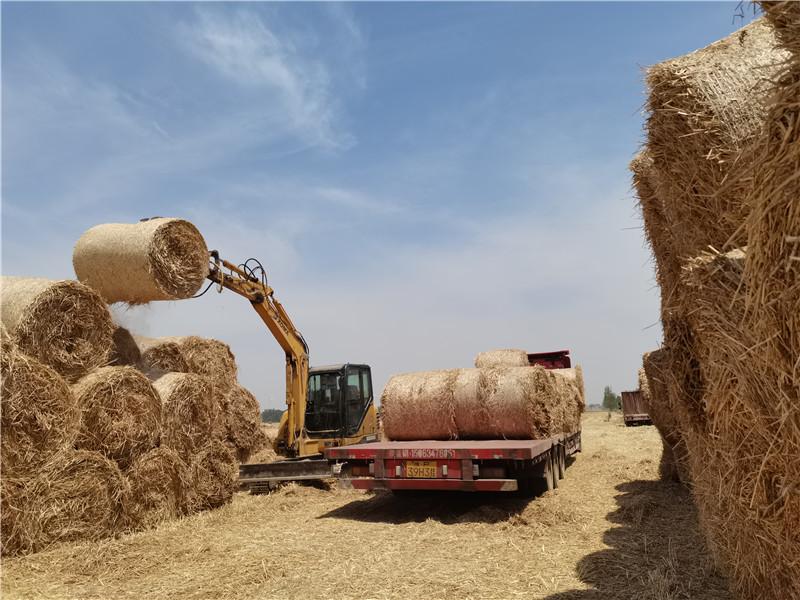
pixel 487 403
pixel 214 475
pixel 160 488
pixel 121 413
pixel 77 496
pixel 158 259
pixel 419 405
pixel 63 324
pixel 244 423
pixel 502 358
pixel 39 414
pixel 191 411
pixel 705 110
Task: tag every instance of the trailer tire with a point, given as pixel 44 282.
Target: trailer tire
pixel 545 481
pixel 562 461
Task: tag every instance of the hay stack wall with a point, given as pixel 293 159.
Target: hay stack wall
pixel 157 259
pixel 61 323
pixel 486 403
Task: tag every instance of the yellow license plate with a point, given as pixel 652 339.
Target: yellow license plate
pixel 421 469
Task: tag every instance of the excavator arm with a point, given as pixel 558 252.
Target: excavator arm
pixel 251 282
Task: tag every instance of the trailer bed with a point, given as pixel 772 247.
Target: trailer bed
pixel 468 465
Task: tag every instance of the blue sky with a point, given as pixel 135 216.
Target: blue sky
pixel 422 181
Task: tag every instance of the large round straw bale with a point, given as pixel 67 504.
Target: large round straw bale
pixel 78 496
pixel 157 259
pixel 122 415
pixel 63 324
pixel 705 111
pixel 40 416
pixel 160 488
pixel 419 406
pixel 211 358
pixel 214 475
pixel 18 532
pixel 469 406
pixel 502 358
pixel 244 422
pixel 124 349
pixel 191 411
pixel 163 353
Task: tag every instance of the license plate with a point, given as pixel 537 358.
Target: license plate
pixel 421 469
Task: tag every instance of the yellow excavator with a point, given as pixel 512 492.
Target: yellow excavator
pixel 325 406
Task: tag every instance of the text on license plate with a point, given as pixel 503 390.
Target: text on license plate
pixel 421 468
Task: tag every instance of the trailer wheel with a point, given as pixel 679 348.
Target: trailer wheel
pixel 544 481
pixel 554 466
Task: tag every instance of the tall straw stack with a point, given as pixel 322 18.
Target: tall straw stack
pixel 121 413
pixel 40 416
pixel 705 110
pixel 63 324
pixel 158 259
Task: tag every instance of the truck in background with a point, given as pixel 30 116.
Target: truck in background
pixel 634 409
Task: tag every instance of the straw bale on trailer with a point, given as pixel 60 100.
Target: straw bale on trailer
pixel 157 259
pixel 705 110
pixel 502 358
pixel 121 413
pixel 497 402
pixel 192 412
pixel 244 422
pixel 77 496
pixel 160 488
pixel 63 323
pixel 40 416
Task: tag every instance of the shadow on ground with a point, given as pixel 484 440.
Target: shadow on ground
pixel 656 550
pixel 444 507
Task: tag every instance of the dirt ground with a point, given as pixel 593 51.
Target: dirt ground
pixel 611 530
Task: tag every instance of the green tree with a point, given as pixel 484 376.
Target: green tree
pixel 611 401
pixel 271 415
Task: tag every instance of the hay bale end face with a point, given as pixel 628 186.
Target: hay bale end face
pixel 64 324
pixel 158 259
pixel 160 488
pixel 40 415
pixel 244 423
pixel 121 413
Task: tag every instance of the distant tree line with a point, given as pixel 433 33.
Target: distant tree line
pixel 611 401
pixel 271 415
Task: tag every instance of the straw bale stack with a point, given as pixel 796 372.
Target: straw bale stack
pixel 755 447
pixel 121 413
pixel 502 358
pixel 652 381
pixel 497 402
pixel 192 412
pixel 705 110
pixel 160 488
pixel 157 259
pixel 40 416
pixel 63 324
pixel 244 423
pixel 214 475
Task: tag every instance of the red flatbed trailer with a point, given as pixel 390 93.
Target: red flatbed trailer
pixel 468 465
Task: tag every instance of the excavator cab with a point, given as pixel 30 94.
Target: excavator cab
pixel 339 397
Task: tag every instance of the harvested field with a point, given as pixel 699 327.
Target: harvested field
pixel 611 530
